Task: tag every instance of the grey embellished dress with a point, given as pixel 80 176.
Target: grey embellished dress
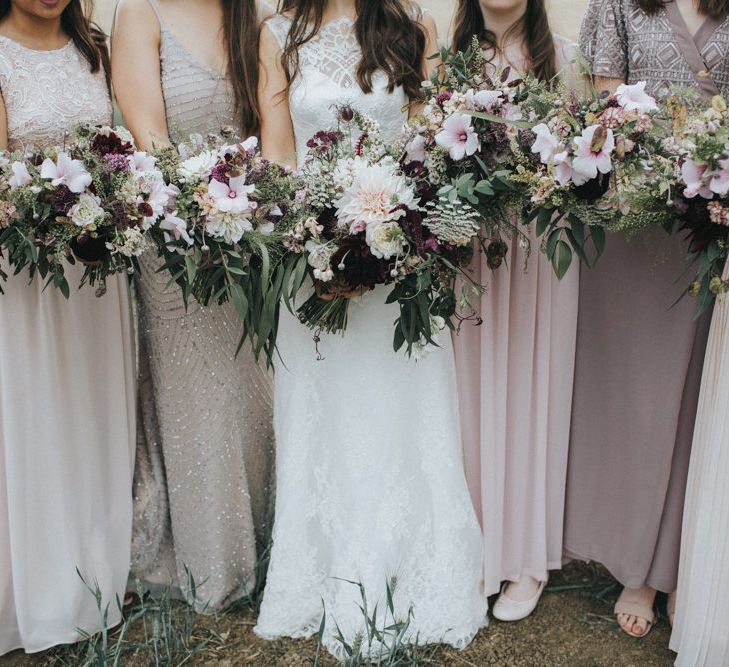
pixel 639 358
pixel 203 480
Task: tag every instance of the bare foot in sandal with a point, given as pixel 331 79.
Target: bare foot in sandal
pixel 634 611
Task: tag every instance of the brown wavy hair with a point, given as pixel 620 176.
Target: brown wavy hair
pixel 533 27
pixel 87 37
pixel 240 21
pixel 391 40
pixel 713 8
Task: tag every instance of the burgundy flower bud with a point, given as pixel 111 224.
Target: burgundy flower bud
pixel 346 114
pixel 146 210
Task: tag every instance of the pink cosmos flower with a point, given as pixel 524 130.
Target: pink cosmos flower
pixel 592 154
pixel 720 179
pixel 233 197
pixel 563 170
pixel 634 98
pixel 141 162
pixel 175 228
pixel 693 176
pixel 458 136
pixel 21 177
pixel 546 143
pixel 66 171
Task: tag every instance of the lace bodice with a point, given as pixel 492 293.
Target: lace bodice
pixel 47 93
pixel 327 79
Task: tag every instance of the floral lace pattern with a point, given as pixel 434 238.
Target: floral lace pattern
pixel 47 93
pixel 370 481
pixel 328 65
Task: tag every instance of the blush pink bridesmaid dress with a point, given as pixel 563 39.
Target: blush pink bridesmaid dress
pixel 515 375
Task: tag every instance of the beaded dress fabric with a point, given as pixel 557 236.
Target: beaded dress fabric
pixel 205 451
pixel 67 411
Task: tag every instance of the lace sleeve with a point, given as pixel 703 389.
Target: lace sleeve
pixel 604 39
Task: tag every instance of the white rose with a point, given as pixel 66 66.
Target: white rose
pixel 198 167
pixel 87 212
pixel 385 239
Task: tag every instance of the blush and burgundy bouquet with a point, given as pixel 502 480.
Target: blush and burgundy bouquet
pixel 221 233
pixel 577 162
pixel 368 216
pixel 94 199
pixel 699 193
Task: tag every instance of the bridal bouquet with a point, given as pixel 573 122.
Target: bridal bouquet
pixel 463 137
pixel 221 233
pixel 576 161
pixel 700 201
pixel 93 199
pixel 367 216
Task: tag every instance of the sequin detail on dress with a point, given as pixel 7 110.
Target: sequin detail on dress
pixel 205 454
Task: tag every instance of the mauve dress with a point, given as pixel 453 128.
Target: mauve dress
pixel 515 375
pixel 202 491
pixel 639 358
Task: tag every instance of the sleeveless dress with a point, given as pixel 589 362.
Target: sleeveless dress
pixel 639 357
pixel 67 399
pixel 515 375
pixel 205 455
pixel 370 481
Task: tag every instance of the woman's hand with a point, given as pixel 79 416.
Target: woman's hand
pixel 340 293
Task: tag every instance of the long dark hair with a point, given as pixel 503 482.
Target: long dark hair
pixel 240 21
pixel 87 37
pixel 533 27
pixel 713 8
pixel 389 35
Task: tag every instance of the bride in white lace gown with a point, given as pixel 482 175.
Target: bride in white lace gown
pixel 370 481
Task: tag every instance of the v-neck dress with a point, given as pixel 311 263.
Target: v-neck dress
pixel 202 488
pixel 639 358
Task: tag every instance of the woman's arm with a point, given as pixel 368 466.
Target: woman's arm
pixel 427 22
pixel 430 65
pixel 609 84
pixel 278 143
pixel 135 68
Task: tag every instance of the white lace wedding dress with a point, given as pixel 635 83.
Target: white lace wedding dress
pixel 370 481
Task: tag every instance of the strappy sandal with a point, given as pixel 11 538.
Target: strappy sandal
pixel 639 611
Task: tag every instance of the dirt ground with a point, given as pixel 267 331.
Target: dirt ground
pixel 573 627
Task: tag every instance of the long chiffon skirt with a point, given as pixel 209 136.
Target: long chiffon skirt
pixel 701 629
pixel 370 486
pixel 66 457
pixel 637 381
pixel 515 376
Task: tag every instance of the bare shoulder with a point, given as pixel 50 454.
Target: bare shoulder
pixel 136 13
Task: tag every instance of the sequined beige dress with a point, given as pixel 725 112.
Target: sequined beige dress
pixel 639 357
pixel 205 451
pixel 67 418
